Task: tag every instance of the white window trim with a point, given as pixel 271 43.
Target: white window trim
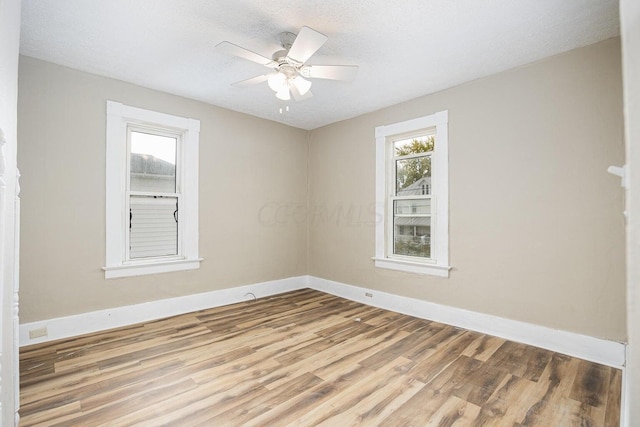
pixel 439 265
pixel 119 116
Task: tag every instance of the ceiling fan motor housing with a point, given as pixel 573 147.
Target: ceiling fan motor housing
pixel 286 65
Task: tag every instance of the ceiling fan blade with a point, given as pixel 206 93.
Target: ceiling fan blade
pixel 232 49
pixel 252 81
pixel 306 44
pixel 297 96
pixel 331 72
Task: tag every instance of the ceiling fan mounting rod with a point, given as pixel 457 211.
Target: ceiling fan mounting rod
pixel 286 39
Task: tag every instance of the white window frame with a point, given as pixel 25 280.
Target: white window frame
pixel 120 118
pixel 438 264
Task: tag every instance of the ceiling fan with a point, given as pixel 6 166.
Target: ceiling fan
pixel 290 72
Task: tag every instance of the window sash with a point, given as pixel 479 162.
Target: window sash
pixel 401 244
pixel 154 130
pixel 131 254
pixel 390 226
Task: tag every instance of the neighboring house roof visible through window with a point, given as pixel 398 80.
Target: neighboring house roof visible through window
pixel 416 187
pixel 145 164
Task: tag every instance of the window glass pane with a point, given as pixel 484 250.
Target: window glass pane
pixel 412 207
pixel 420 144
pixel 153 162
pixel 153 226
pixel 413 176
pixel 412 236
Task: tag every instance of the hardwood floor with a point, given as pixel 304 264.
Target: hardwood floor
pixel 307 358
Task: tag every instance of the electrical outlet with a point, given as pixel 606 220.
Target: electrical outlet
pixel 37 333
pixel 368 294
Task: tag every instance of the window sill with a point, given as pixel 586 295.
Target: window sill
pixel 413 267
pixel 140 269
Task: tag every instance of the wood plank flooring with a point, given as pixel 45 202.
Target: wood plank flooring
pixel 306 358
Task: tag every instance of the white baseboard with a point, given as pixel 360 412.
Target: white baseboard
pixel 597 350
pixel 79 324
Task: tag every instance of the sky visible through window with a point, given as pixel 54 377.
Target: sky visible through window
pixel 161 147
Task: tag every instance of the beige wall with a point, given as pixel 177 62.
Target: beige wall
pixel 536 225
pixel 245 164
pixel 536 228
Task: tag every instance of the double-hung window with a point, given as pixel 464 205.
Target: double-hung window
pixel 412 231
pixel 152 192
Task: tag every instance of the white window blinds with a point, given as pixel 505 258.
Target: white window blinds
pixel 153 225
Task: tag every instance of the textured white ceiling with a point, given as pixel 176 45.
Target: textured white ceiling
pixel 405 48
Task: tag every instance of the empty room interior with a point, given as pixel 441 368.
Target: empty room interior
pixel 319 213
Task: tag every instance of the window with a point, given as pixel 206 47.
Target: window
pixel 412 196
pixel 152 192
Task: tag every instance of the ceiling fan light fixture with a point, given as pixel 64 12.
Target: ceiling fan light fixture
pixel 301 84
pixel 283 93
pixel 277 82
